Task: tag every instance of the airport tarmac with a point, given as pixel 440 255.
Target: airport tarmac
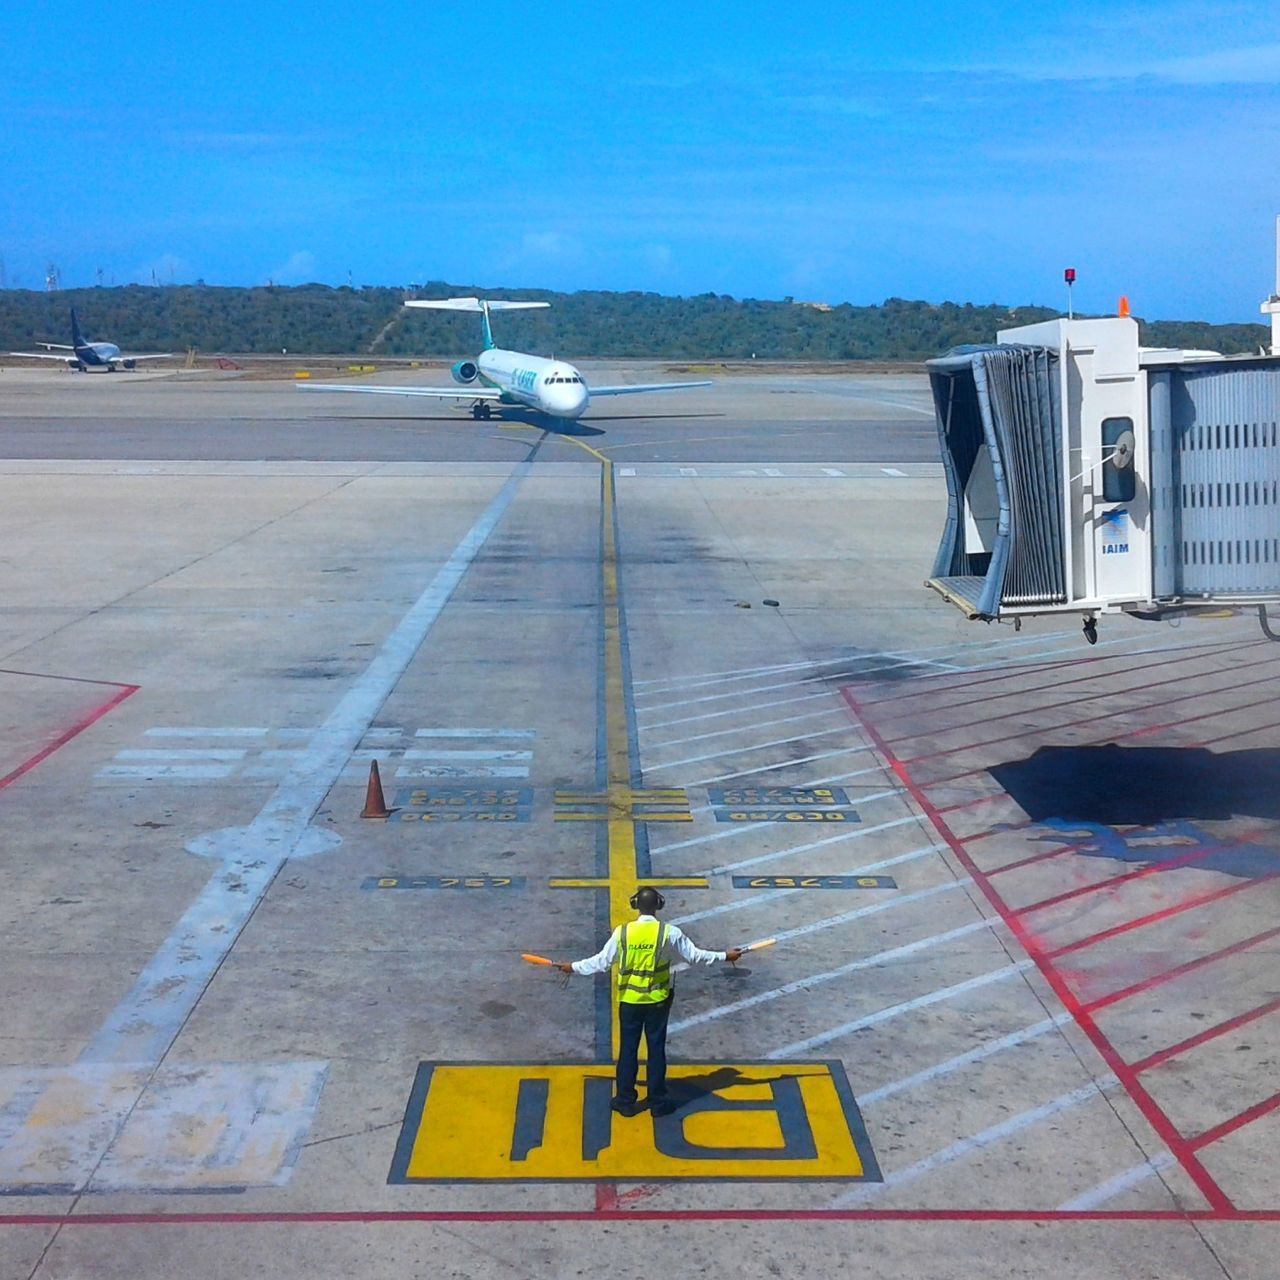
pixel 1020 1017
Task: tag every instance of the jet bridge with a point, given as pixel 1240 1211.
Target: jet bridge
pixel 1088 475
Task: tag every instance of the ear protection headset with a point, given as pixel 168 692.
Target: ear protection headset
pixel 654 896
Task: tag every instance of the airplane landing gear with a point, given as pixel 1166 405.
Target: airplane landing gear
pixel 481 409
pixel 1091 630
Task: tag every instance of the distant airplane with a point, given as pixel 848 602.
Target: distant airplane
pixel 496 376
pixel 89 355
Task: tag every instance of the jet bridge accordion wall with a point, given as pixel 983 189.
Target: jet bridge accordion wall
pixel 999 406
pixel 1215 461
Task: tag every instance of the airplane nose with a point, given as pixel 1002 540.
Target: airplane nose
pixel 570 400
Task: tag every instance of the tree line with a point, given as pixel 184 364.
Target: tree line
pixel 316 319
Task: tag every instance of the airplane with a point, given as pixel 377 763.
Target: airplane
pixel 89 355
pixel 495 376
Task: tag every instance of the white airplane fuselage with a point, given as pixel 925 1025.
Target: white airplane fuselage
pixel 553 387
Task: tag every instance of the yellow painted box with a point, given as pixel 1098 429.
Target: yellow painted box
pixel 538 1122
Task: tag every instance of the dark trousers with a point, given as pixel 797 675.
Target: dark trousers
pixel 651 1019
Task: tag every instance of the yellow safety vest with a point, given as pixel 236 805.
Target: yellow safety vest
pixel 644 974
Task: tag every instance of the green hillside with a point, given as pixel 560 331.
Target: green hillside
pixel 315 319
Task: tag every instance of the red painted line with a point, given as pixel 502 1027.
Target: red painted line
pixel 1073 701
pixel 1081 891
pixel 1210 1033
pixel 126 691
pixel 1236 1122
pixel 1044 854
pixel 1058 684
pixel 1094 719
pixel 1239 733
pixel 496 1216
pixel 1169 974
pixel 1013 668
pixel 1188 904
pixel 1155 1117
pixel 1208 715
pixel 44 675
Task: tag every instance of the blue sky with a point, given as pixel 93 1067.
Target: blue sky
pixel 924 150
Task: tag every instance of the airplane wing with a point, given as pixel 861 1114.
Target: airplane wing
pixel 55 346
pixel 438 393
pixel 42 355
pixel 150 355
pixel 473 304
pixel 636 388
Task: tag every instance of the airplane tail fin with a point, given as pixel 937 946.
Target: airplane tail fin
pixel 77 338
pixel 475 304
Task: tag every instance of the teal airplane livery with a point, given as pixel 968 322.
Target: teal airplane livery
pixel 495 376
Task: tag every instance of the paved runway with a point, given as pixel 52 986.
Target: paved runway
pixel 1020 1014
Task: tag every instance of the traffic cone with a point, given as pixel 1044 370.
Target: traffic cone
pixel 375 805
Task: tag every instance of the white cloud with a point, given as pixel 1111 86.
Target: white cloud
pixel 1253 64
pixel 542 244
pixel 658 256
pixel 300 268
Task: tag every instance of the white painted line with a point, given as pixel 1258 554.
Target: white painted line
pixel 626 471
pixel 739 711
pixel 962 1060
pixel 847 727
pixel 688 471
pixel 867 962
pixel 183 753
pixel 189 772
pixel 204 732
pixel 384 733
pixel 871 909
pixel 946 667
pixel 442 754
pixel 769 895
pixel 862 834
pixel 728 832
pixel 771 471
pixel 700 679
pixel 475 733
pixel 852 674
pixel 897 1010
pixel 892 471
pixel 748 693
pixel 463 771
pixel 144 1025
pixel 759 724
pixel 781 764
pixel 813 782
pixel 996 1133
pixel 832 471
pixel 1108 1190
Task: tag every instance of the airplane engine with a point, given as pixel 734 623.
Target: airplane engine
pixel 128 364
pixel 464 371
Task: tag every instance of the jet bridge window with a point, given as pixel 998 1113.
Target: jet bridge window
pixel 1119 483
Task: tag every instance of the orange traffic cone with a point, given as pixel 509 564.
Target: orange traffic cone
pixel 375 805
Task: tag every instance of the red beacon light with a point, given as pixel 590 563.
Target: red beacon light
pixel 1069 275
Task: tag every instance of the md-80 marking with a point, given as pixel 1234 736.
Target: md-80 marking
pixel 89 355
pixel 508 377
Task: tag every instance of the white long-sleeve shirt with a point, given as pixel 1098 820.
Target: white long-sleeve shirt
pixel 674 942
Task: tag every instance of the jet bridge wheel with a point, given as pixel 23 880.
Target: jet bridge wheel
pixel 1091 630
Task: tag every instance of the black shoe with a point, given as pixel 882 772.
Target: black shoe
pixel 662 1106
pixel 623 1106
